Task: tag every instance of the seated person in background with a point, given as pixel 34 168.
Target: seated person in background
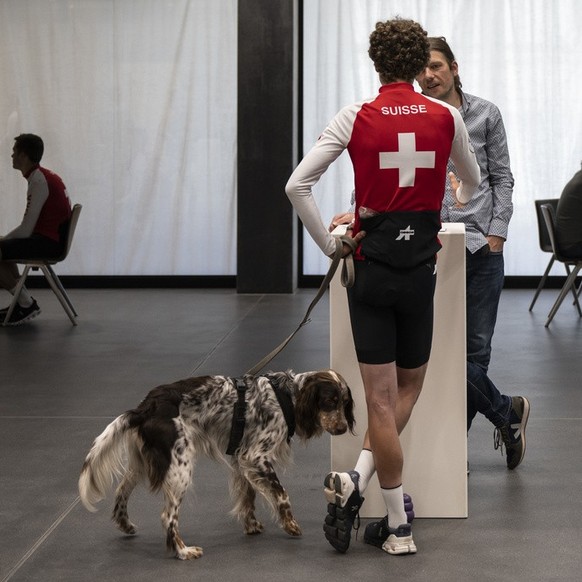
pixel 569 218
pixel 38 235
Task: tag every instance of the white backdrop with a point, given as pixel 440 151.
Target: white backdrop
pixel 136 102
pixel 522 55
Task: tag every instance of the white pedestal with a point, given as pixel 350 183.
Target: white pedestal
pixel 435 439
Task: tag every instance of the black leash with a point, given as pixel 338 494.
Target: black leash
pixel 347 280
pixel 284 397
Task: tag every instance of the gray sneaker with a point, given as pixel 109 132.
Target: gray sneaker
pixel 343 508
pixel 377 532
pixel 512 434
pixel 400 540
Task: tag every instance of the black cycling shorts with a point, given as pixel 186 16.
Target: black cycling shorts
pixel 36 246
pixel 391 312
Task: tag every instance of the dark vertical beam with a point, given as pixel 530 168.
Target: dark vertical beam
pixel 267 139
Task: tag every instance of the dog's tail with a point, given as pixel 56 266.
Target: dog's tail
pixel 103 463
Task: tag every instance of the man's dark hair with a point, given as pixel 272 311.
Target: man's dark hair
pixel 440 44
pixel 399 50
pixel 31 145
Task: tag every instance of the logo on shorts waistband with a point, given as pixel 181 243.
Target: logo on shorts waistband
pixel 405 233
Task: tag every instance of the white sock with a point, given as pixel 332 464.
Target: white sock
pixel 366 468
pixel 24 299
pixel 394 500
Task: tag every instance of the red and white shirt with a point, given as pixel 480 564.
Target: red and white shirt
pixel 47 206
pixel 399 143
pixel 56 209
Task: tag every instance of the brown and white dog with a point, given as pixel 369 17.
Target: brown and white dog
pixel 159 441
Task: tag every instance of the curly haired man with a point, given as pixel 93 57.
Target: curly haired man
pixel 399 143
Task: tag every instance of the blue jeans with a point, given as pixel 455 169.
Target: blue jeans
pixel 485 274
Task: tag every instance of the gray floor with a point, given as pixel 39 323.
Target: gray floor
pixel 60 386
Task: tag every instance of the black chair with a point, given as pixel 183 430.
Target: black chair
pixel 545 243
pixel 45 265
pixel 549 215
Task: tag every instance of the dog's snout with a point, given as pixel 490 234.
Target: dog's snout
pixel 339 430
pixel 334 423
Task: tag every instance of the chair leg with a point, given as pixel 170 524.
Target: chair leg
pixel 576 302
pixel 52 279
pixel 574 293
pixel 542 282
pixel 16 295
pixel 563 292
pixel 62 289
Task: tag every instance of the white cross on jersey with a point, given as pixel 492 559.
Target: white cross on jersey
pixel 406 159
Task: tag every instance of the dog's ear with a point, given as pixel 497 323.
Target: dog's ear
pixel 307 409
pixel 349 411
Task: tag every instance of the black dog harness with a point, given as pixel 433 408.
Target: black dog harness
pixel 240 407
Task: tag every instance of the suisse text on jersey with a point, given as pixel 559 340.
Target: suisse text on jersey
pixel 403 109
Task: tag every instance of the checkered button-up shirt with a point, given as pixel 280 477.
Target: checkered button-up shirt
pixel 490 209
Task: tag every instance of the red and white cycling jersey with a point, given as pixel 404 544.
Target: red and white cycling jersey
pixel 399 143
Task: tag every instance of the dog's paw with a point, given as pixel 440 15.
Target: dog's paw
pixel 127 527
pixel 253 527
pixel 292 527
pixel 189 553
